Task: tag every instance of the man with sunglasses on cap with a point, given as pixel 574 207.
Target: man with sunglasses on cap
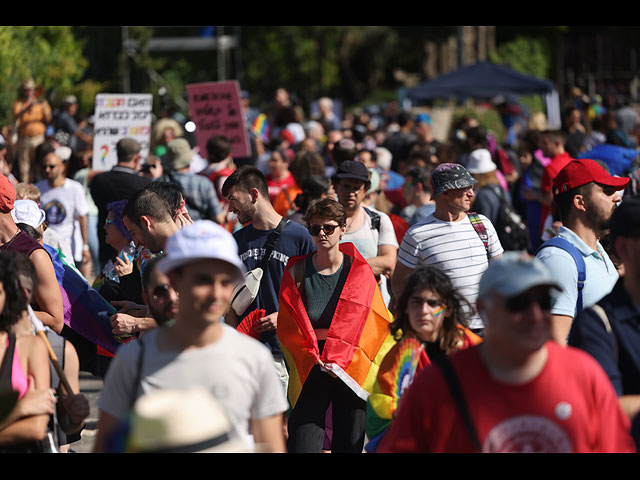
pixel 460 244
pixel 519 391
pixel 199 349
pixel 585 196
pixel 371 231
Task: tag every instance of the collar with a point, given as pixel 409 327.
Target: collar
pixel 584 249
pixel 121 168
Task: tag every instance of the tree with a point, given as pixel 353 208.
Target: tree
pixel 50 55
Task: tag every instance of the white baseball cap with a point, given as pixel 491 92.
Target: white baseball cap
pixel 27 211
pixel 202 240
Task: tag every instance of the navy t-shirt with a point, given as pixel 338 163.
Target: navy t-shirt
pixel 294 240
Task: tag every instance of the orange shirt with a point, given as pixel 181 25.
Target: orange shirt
pixel 34 121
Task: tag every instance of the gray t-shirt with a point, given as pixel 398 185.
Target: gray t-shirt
pixel 237 369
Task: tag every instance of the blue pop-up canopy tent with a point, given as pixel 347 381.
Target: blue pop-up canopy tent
pixel 486 80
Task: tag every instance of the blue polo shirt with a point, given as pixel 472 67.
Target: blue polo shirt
pixel 601 274
pixel 617 353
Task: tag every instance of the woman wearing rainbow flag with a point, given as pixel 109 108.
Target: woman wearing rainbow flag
pixel 333 327
pixel 429 321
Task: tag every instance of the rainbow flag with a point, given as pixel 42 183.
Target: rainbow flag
pixel 404 361
pixel 261 127
pixel 358 338
pixel 82 303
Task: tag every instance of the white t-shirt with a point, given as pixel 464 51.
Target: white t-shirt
pixel 456 249
pixel 237 369
pixel 63 205
pixel 368 239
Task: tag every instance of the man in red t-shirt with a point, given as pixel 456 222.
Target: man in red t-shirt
pixel 552 145
pixel 523 392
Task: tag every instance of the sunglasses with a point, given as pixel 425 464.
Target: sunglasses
pixel 327 227
pixel 521 303
pixel 160 291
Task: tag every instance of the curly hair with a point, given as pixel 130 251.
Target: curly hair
pixel 451 337
pixel 16 300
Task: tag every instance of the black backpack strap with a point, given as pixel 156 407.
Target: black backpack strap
pixel 480 229
pixel 138 377
pixel 271 243
pixel 442 361
pixel 375 219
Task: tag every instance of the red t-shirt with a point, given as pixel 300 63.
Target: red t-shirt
pixel 548 176
pixel 569 407
pixel 275 186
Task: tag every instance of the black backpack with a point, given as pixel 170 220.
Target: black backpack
pixel 511 230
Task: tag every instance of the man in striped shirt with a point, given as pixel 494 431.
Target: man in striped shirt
pixel 448 239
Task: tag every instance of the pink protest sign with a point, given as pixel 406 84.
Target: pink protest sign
pixel 216 110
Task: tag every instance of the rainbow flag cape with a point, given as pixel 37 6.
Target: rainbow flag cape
pixel 404 361
pixel 358 338
pixel 82 304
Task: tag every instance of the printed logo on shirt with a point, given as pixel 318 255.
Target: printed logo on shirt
pixel 527 434
pixel 56 213
pixel 258 253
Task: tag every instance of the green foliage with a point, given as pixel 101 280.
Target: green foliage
pixel 524 54
pixel 50 55
pixel 488 118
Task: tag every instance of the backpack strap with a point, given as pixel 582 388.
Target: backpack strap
pixel 607 325
pixel 568 247
pixel 375 219
pixel 480 229
pixel 442 361
pixel 272 240
pixel 138 376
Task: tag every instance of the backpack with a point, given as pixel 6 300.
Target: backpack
pixel 510 228
pixel 577 257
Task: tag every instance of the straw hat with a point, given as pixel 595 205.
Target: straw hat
pixel 182 421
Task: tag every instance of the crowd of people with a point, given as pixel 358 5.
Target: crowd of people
pixel 353 285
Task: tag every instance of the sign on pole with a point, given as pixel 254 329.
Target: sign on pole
pixel 216 110
pixel 118 116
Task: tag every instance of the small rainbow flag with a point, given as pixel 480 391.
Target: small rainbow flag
pixel 261 127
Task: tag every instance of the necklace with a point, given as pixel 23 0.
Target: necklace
pixel 12 238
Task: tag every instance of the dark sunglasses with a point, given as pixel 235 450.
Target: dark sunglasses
pixel 160 291
pixel 521 303
pixel 327 227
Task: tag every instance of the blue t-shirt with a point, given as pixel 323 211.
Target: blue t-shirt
pixel 294 240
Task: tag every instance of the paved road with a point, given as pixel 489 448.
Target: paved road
pixel 90 386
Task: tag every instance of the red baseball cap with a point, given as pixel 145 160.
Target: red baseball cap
pixel 7 194
pixel 581 171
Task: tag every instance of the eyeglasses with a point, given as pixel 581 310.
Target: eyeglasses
pixel 160 291
pixel 522 302
pixel 327 227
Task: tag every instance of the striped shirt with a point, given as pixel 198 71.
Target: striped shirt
pixel 456 249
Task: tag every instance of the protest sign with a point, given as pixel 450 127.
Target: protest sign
pixel 118 116
pixel 216 110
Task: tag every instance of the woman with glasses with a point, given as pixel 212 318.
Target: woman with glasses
pixel 429 320
pixel 333 327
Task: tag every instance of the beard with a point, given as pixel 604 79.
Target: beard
pixel 597 216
